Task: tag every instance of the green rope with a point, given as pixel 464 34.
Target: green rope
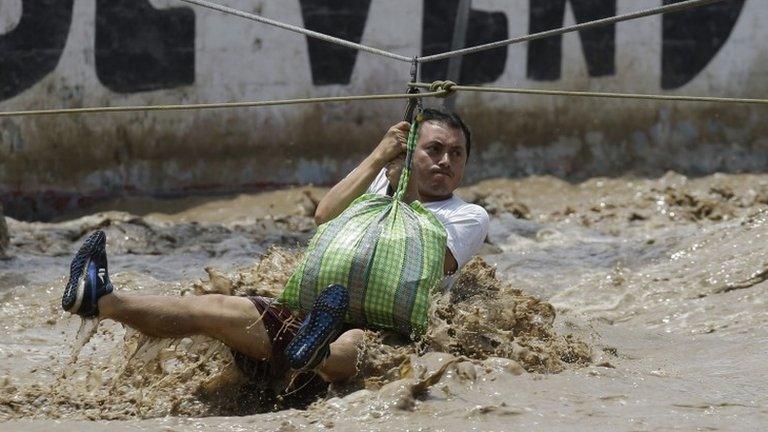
pixel 405 175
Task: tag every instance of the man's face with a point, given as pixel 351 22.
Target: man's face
pixel 439 160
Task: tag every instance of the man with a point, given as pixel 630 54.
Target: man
pixel 260 331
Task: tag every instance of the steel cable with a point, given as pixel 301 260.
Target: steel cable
pixel 301 30
pixel 330 99
pixel 676 7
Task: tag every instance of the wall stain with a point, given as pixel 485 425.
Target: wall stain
pixel 66 163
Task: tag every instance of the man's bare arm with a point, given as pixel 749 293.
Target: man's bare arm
pixel 356 182
pixel 345 191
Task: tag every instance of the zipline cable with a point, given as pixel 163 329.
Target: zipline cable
pixel 437 89
pixel 301 30
pixel 330 99
pixel 449 87
pixel 675 7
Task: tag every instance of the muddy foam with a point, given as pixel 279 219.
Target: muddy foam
pixel 135 376
pixel 615 303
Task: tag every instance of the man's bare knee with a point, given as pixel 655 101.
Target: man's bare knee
pixel 351 337
pixel 236 322
pixel 342 363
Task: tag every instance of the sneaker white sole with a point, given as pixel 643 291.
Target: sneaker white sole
pixel 80 290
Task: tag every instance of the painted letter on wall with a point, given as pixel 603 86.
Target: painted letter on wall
pixel 140 48
pixel 33 49
pixel 545 56
pixel 692 38
pixel 331 63
pixel 483 27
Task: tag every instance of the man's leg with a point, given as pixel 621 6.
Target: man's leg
pixel 232 320
pixel 90 293
pixel 341 365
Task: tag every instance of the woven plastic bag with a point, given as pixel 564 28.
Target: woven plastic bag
pixel 387 253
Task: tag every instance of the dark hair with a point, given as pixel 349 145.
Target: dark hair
pixel 451 119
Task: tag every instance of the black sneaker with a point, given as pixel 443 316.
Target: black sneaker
pixel 88 277
pixel 311 345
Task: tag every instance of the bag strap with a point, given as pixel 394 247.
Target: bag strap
pixel 405 175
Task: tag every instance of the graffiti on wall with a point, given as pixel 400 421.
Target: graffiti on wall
pixel 331 63
pixel 692 38
pixel 598 44
pixel 482 27
pixel 138 47
pixel 32 49
pixel 141 48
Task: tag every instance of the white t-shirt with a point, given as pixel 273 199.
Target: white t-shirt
pixel 466 224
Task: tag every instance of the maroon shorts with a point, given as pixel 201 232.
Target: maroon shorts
pixel 281 324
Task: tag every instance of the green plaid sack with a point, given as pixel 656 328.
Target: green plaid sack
pixel 387 253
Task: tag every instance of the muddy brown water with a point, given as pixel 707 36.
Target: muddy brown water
pixel 614 304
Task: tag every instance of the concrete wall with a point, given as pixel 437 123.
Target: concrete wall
pixel 74 53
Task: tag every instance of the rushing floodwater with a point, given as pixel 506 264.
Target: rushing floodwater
pixel 659 288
